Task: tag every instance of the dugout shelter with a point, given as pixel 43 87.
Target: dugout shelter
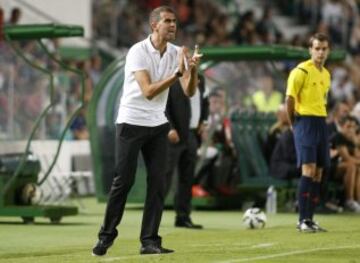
pixel 246 126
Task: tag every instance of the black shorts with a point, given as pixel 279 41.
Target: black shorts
pixel 311 141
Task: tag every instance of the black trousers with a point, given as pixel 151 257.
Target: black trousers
pixel 152 142
pixel 183 156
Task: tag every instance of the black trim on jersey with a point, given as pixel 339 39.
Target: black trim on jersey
pixel 304 70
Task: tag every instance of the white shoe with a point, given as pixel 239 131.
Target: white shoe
pixel 353 206
pixel 306 226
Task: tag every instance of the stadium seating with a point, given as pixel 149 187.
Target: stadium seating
pixel 249 131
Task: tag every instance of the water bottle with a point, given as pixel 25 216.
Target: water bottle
pixel 271 202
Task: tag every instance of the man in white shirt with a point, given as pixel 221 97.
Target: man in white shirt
pixel 152 66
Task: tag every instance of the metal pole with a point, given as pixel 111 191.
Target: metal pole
pixel 11 105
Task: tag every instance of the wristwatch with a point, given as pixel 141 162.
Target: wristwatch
pixel 178 73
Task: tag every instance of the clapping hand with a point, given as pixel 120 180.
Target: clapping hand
pixel 196 56
pixel 195 59
pixel 187 62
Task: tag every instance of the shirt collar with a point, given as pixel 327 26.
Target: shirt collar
pixel 152 48
pixel 150 45
pixel 310 62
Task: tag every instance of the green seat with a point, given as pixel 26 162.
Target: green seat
pixel 252 165
pixel 254 171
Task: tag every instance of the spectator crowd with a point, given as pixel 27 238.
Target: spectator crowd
pixel 25 92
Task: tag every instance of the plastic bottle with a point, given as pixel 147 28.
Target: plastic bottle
pixel 271 200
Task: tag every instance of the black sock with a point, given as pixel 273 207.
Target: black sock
pixel 304 197
pixel 314 197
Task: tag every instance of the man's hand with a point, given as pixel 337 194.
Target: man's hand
pixel 334 153
pixel 188 62
pixel 195 59
pixel 202 128
pixel 189 67
pixel 173 136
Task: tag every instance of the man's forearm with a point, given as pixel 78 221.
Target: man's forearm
pixel 290 109
pixel 191 82
pixel 150 90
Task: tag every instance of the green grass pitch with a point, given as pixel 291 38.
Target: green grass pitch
pixel 224 239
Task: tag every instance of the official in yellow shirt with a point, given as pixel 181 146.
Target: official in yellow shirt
pixel 306 97
pixel 267 99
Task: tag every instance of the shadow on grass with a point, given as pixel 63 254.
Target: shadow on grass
pixel 44 223
pixel 41 254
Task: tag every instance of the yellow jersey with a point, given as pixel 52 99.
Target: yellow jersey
pixel 309 87
pixel 267 104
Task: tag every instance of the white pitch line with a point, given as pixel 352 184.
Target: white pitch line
pixel 238 245
pixel 222 244
pixel 288 254
pixel 263 245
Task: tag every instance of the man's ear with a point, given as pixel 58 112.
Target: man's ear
pixel 153 25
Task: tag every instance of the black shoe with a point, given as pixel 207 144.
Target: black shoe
pixel 317 227
pixel 101 248
pixel 154 249
pixel 187 223
pixel 310 226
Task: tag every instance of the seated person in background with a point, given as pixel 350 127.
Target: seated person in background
pixel 283 158
pixel 279 127
pixel 266 99
pixel 78 126
pixel 217 155
pixel 348 164
pixel 53 124
pixel 331 203
pixel 340 110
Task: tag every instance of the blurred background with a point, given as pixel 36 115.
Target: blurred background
pixel 245 97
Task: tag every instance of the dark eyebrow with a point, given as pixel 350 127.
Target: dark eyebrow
pixel 169 19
